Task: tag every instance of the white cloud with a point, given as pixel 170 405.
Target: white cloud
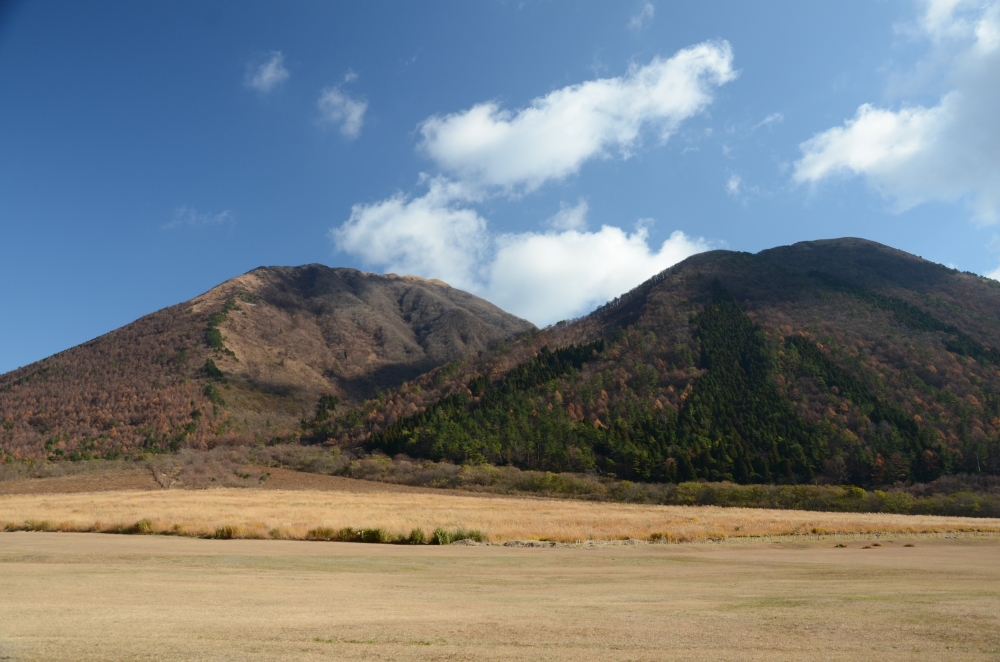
pixel 542 276
pixel 946 152
pixel 339 108
pixel 733 185
pixel 557 133
pixel 949 19
pixel 570 218
pixel 486 151
pixel 350 76
pixel 185 216
pixel 642 17
pixel 269 75
pixel 773 118
pixel 431 236
pixel 545 277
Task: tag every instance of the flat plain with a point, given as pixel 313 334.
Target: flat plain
pixel 88 597
pixel 761 584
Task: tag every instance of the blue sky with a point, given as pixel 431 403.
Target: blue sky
pixel 546 155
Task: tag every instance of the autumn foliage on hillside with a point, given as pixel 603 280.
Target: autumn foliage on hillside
pixel 241 364
pixel 838 361
pixel 729 367
pixel 134 388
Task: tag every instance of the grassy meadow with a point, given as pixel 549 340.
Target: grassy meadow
pixel 299 514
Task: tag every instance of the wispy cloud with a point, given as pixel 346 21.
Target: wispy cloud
pixel 733 185
pixel 265 77
pixel 341 109
pixel 773 118
pixel 642 17
pixel 185 216
pixel 570 218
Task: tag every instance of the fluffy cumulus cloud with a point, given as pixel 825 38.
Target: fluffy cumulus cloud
pixel 563 270
pixel 541 276
pixel 545 277
pixel 265 77
pixel 556 134
pixel 341 109
pixel 433 235
pixel 948 151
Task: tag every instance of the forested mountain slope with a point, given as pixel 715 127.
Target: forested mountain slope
pixel 840 360
pixel 243 362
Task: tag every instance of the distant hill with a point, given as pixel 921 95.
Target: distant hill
pixel 243 362
pixel 840 361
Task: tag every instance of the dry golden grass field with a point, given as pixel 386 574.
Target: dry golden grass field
pixel 88 597
pixel 774 585
pixel 292 513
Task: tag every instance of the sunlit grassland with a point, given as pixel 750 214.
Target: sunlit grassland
pixel 293 514
pixel 87 597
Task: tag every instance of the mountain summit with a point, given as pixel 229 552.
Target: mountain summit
pixel 840 360
pixel 245 361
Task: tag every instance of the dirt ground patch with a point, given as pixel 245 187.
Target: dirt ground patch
pixel 89 597
pixel 103 481
pixel 142 479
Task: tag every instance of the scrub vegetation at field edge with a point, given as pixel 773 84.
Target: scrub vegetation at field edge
pixel 253 467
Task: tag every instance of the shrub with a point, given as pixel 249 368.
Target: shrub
pixel 416 537
pixel 329 534
pixel 321 533
pixel 38 525
pixel 374 535
pixel 445 537
pixel 142 527
pixel 213 338
pixel 214 396
pixel 211 370
pixel 227 532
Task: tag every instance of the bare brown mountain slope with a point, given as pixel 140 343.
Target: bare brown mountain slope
pixel 245 361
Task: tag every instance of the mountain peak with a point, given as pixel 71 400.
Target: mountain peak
pixel 256 351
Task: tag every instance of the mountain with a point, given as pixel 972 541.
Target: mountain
pixel 839 361
pixel 244 362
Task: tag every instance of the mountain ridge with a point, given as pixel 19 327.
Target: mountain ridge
pixel 885 369
pixel 838 360
pixel 242 362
